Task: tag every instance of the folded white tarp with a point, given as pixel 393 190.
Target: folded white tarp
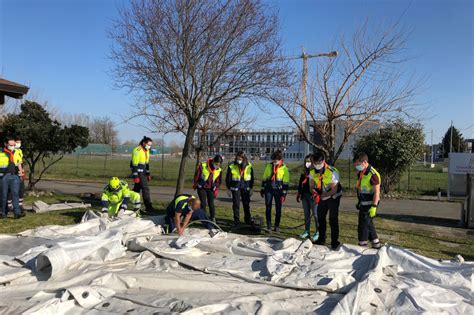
pixel 41 206
pixel 127 266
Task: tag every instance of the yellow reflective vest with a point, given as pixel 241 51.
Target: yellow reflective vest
pixel 140 161
pixel 365 189
pixel 5 161
pixel 238 178
pixel 323 181
pixel 276 177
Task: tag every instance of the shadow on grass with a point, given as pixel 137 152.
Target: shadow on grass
pixel 421 219
pixel 75 214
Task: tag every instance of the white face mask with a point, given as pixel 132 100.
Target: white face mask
pixel 17 145
pixel 147 147
pixel 318 166
pixel 11 147
pixel 307 164
pixel 360 167
pixel 239 162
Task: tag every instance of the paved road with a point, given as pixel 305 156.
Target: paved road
pixel 418 208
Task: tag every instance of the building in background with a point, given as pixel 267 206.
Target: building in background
pixel 257 144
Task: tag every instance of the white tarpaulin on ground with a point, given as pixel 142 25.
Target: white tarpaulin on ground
pixel 128 266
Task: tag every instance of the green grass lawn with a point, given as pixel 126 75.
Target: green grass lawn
pixel 422 180
pixel 421 239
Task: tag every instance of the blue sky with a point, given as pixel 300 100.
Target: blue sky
pixel 60 47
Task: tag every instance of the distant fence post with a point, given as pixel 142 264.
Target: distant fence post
pixel 105 165
pixel 77 165
pixel 349 173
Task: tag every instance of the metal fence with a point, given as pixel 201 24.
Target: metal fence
pixel 419 180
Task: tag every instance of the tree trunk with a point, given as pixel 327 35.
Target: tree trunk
pixel 31 181
pixel 184 157
pixel 332 143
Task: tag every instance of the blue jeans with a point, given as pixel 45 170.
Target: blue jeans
pixel 10 182
pixel 309 209
pixel 197 215
pixel 269 196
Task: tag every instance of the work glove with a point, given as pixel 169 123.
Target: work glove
pixel 105 213
pixel 298 197
pixel 372 211
pixel 121 212
pixel 216 192
pixel 136 180
pixel 250 192
pixel 229 193
pixel 262 193
pixel 148 177
pixel 282 199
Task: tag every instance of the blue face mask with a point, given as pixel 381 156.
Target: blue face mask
pixel 360 167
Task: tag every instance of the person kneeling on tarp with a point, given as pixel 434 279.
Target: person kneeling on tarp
pixel 116 196
pixel 182 210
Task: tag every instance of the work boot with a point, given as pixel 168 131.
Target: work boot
pixel 315 237
pixel 320 241
pixel 3 216
pixel 335 246
pixel 276 229
pixel 269 226
pixel 305 235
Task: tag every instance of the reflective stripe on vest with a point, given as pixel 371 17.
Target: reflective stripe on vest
pixel 275 174
pixel 237 173
pixel 206 171
pixel 179 199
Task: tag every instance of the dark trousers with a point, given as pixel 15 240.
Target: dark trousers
pixel 207 199
pixel 366 228
pixel 197 215
pixel 20 200
pixel 310 209
pixel 10 182
pixel 145 189
pixel 243 194
pixel 332 206
pixel 269 196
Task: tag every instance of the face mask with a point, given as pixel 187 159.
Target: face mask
pixel 319 166
pixel 239 162
pixel 17 145
pixel 11 147
pixel 147 147
pixel 359 167
pixel 307 164
pixel 276 162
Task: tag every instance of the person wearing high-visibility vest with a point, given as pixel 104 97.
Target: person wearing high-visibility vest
pixel 239 180
pixel 368 199
pixel 140 165
pixel 275 182
pixel 116 196
pixel 10 171
pixel 305 196
pixel 182 210
pixel 327 192
pixel 21 193
pixel 207 181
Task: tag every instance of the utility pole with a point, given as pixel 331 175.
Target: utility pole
pixel 451 141
pixel 432 149
pixel 304 83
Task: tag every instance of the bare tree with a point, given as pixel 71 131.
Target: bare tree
pixel 365 84
pixel 195 57
pixel 102 130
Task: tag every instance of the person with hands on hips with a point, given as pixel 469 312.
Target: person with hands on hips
pixel 140 165
pixel 368 198
pixel 239 180
pixel 207 180
pixel 305 196
pixel 327 191
pixel 275 182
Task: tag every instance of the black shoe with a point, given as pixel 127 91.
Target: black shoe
pixel 376 245
pixel 21 215
pixel 276 229
pixel 335 246
pixel 320 242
